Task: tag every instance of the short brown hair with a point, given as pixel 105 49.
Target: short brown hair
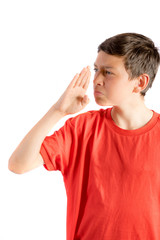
pixel 139 52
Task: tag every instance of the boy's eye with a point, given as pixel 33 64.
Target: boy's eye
pixel 107 72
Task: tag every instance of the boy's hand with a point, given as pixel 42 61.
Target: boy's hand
pixel 74 99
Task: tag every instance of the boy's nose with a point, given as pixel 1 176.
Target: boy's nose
pixel 98 80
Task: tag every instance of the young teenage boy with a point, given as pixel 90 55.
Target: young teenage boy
pixel 110 159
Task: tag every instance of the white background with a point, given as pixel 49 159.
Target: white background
pixel 43 44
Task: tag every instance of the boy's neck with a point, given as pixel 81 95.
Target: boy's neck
pixel 131 116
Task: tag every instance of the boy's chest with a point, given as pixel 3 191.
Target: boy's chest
pixel 121 153
pixel 125 165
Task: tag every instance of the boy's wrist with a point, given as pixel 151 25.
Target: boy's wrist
pixel 57 111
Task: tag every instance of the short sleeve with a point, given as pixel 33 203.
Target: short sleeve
pixel 56 149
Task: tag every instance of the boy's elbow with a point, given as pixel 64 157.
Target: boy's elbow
pixel 14 167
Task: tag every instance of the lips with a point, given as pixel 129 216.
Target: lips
pixel 96 92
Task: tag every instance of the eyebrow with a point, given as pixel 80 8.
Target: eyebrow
pixel 103 66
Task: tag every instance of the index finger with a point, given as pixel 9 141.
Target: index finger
pixel 86 83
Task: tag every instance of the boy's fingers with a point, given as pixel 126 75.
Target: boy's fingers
pixel 84 77
pixel 86 83
pixel 81 77
pixel 74 80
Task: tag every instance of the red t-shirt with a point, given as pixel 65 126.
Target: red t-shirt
pixel 111 176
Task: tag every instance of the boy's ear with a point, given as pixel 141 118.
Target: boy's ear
pixel 141 83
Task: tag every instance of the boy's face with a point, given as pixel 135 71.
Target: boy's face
pixel 112 86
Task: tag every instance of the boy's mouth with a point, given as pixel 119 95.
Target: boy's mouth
pixel 96 92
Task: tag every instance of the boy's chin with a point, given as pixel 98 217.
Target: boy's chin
pixel 102 103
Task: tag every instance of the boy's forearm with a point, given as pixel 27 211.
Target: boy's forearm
pixel 27 155
pixel 27 151
pixel 43 127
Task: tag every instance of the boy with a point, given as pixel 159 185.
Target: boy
pixel 109 158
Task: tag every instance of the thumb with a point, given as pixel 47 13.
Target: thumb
pixel 85 101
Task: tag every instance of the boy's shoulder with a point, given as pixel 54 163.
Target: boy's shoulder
pixel 87 118
pixel 93 118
